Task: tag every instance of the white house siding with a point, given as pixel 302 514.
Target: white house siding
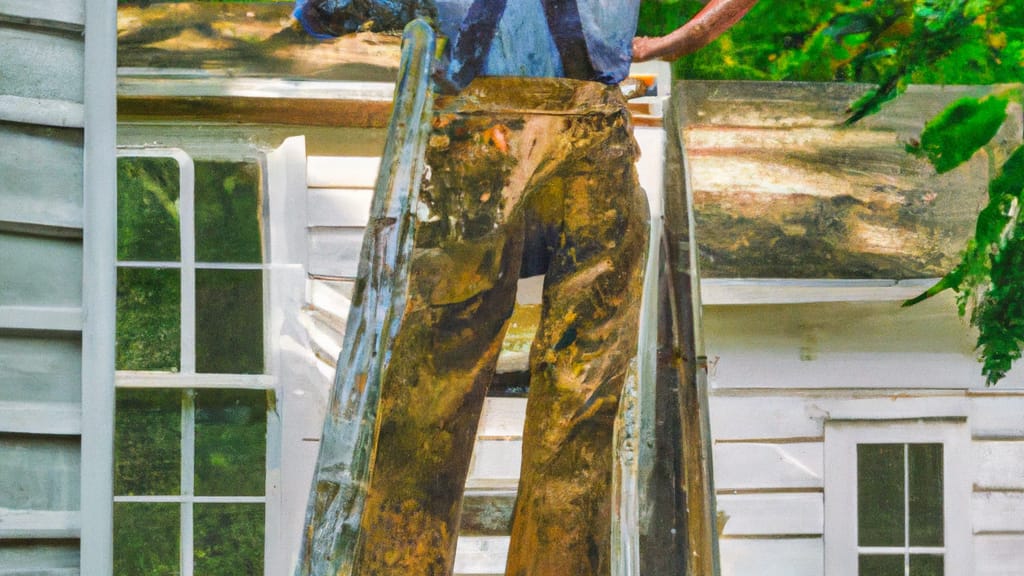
pixel 44 113
pixel 780 373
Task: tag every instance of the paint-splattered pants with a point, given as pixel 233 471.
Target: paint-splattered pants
pixel 526 176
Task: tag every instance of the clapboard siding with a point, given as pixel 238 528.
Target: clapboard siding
pixel 48 525
pixel 772 514
pixel 998 465
pixel 772 557
pixel 42 175
pixel 746 466
pixel 19 558
pixel 39 369
pixel 997 512
pixel 48 418
pixel 40 63
pixel 998 555
pixel 339 206
pixel 39 472
pixel 334 252
pixel 57 13
pixel 36 271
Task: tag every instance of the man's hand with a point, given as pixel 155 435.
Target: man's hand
pixel 716 17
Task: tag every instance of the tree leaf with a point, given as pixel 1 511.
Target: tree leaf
pixel 952 137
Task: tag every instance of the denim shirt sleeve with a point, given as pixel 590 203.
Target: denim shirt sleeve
pixel 331 18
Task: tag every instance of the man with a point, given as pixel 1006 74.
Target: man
pixel 531 171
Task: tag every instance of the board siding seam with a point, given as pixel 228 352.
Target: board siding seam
pixel 763 491
pixel 785 440
pixel 43 229
pixel 795 536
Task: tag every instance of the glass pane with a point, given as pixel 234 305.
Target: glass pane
pixel 228 212
pixel 925 462
pixel 148 319
pixel 146 539
pixel 881 565
pixel 229 321
pixel 880 505
pixel 926 565
pixel 229 539
pixel 147 209
pixel 231 442
pixel 147 442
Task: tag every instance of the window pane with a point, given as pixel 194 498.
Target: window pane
pixel 925 462
pixel 229 321
pixel 229 539
pixel 146 539
pixel 880 505
pixel 148 319
pixel 147 442
pixel 231 442
pixel 228 212
pixel 881 565
pixel 926 565
pixel 147 209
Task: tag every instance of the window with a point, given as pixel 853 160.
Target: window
pixel 194 405
pixel 896 498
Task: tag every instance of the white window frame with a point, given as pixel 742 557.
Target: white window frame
pixel 841 440
pixel 188 380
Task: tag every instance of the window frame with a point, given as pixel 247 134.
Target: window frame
pixel 841 530
pixel 188 380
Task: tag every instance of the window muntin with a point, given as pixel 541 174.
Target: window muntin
pixel 192 404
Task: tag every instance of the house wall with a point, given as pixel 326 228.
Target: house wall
pixel 779 374
pixel 54 466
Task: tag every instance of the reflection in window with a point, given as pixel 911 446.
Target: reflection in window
pixel 900 509
pixel 192 409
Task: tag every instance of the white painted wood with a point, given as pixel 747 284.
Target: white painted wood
pixel 41 318
pixel 997 415
pixel 339 206
pixel 42 112
pixel 49 418
pixel 729 291
pixel 841 439
pixel 40 472
pixel 998 465
pixel 334 252
pixel 55 193
pixel 167 82
pixel 342 171
pixel 772 514
pixel 141 379
pixel 38 524
pixel 502 419
pixel 998 555
pixel 61 14
pixel 481 555
pixel 39 559
pixel 332 296
pixel 755 466
pixel 997 512
pixel 31 264
pixel 495 464
pixel 783 557
pixel 41 64
pixel 41 369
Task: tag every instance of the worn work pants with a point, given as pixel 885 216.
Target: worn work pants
pixel 526 176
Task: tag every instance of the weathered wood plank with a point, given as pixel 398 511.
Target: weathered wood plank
pixel 37 369
pixel 728 291
pixel 495 464
pixel 39 473
pixel 36 269
pixel 772 514
pixel 49 418
pixel 782 557
pixel 778 466
pixel 502 418
pixel 42 168
pixel 998 465
pixel 38 111
pixel 998 555
pixel 996 415
pixel 40 318
pixel 783 192
pixel 481 555
pixel 348 207
pixel 30 60
pixel 63 14
pixel 487 512
pixel 293 111
pixel 997 512
pixel 342 171
pixel 34 524
pixel 334 252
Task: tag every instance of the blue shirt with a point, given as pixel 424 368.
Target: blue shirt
pixel 583 39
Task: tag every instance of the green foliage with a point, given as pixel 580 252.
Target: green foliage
pixel 952 137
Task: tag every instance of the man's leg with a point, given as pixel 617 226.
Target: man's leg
pixel 579 360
